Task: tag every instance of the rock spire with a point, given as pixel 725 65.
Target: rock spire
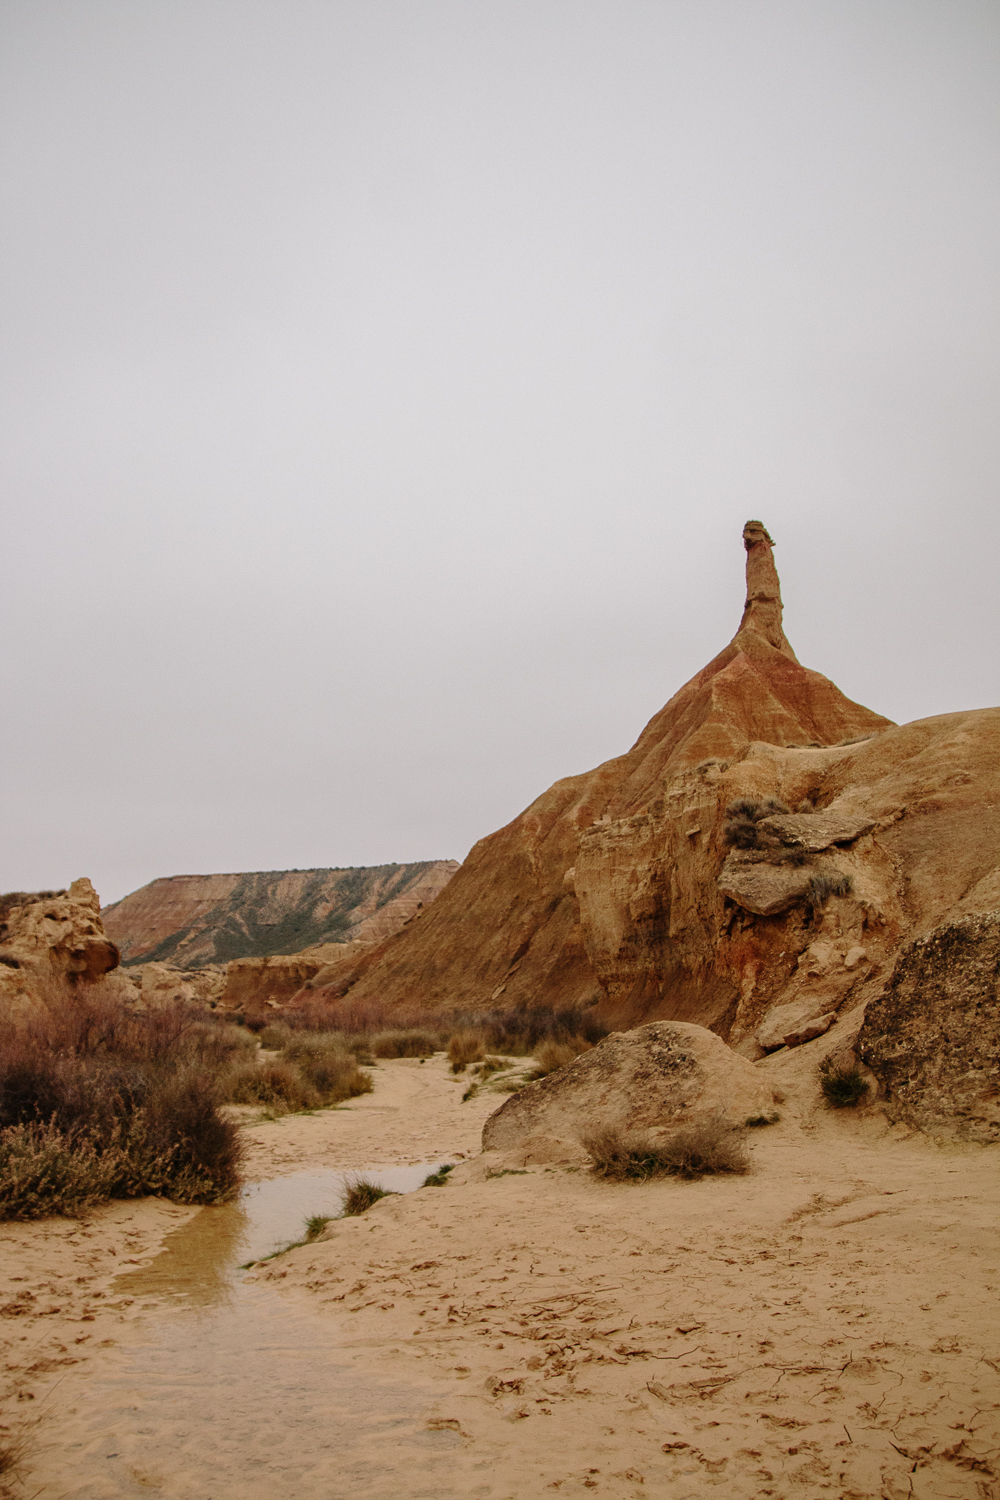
pixel 762 611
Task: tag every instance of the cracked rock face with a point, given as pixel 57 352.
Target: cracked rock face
pixel 657 1077
pixel 932 1038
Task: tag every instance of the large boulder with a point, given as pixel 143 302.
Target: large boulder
pixel 932 1037
pixel 659 1076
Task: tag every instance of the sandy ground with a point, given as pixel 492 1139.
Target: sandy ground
pixel 827 1325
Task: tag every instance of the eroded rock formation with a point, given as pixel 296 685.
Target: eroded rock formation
pixel 52 940
pixel 604 888
pixel 753 864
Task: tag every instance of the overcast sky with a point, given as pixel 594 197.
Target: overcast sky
pixel 385 385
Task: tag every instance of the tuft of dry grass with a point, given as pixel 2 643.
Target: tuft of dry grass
pixel 13 1451
pixel 360 1194
pixel 466 1047
pixel 843 1087
pixel 691 1152
pixel 551 1056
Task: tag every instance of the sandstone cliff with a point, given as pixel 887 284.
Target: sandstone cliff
pixel 197 920
pixel 766 843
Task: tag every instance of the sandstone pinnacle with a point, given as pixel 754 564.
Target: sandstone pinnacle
pixel 762 611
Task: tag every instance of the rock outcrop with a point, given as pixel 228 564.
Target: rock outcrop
pixel 52 940
pixel 197 920
pixel 651 1079
pixel 253 983
pixel 604 888
pixel 932 1037
pixel 754 864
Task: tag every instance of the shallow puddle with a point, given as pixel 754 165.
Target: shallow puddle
pixel 225 1391
pixel 199 1263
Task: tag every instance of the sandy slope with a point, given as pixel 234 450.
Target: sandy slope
pixel 826 1326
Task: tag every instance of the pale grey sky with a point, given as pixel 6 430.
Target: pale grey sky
pixel 385 385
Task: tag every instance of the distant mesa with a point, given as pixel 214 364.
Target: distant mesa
pixel 191 921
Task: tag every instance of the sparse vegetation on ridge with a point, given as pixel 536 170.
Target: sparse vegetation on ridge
pixel 742 816
pixel 823 885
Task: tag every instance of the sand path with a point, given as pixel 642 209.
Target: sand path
pixel 827 1325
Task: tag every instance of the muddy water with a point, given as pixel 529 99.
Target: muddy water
pixel 220 1392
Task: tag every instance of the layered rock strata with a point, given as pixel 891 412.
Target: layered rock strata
pixel 196 920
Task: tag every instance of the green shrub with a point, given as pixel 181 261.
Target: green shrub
pixel 440 1177
pixel 691 1152
pixel 843 1087
pixel 316 1224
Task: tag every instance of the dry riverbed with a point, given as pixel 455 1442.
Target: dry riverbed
pixel 827 1325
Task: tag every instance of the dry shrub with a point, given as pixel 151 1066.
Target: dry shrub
pixel 823 885
pixel 516 1032
pixel 413 1042
pixel 691 1152
pixel 274 1038
pixel 551 1056
pixel 276 1085
pixel 742 816
pixel 466 1047
pixel 133 1097
pixel 327 1066
pixel 45 1172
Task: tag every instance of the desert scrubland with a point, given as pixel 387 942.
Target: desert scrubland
pixel 709 1039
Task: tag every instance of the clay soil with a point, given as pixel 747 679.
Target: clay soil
pixel 827 1325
